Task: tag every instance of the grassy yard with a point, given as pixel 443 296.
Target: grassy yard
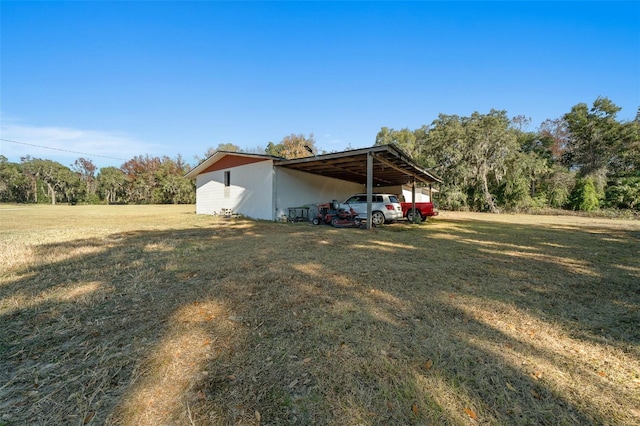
pixel 154 315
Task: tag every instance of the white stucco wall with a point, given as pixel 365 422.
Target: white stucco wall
pixel 250 192
pixel 422 194
pixel 294 189
pixel 261 191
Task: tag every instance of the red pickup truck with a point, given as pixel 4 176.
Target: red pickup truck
pixel 423 209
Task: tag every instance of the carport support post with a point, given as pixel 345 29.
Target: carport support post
pixel 369 187
pixel 413 200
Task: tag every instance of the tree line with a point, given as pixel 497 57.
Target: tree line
pixel 141 180
pixel 585 160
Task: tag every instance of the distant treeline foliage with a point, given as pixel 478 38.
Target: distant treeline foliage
pixel 141 180
pixel 585 160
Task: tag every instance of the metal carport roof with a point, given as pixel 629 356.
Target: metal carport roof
pixel 391 166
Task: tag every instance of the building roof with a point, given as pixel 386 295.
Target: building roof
pixel 391 166
pixel 218 156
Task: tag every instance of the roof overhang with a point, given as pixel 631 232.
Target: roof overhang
pixel 220 155
pixel 391 166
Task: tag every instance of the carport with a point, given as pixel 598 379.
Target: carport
pixel 383 165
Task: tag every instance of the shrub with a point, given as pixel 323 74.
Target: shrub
pixel 584 196
pixel 623 193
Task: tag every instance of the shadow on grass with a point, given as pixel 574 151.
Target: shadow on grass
pixel 245 322
pixel 586 278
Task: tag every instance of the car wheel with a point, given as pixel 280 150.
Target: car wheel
pixel 377 218
pixel 316 221
pixel 334 221
pixel 413 215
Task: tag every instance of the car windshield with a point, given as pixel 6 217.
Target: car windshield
pixel 393 199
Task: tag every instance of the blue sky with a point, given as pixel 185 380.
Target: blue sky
pixel 120 79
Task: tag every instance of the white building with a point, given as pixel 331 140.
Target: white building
pixel 265 187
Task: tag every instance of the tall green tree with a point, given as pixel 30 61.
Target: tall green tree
pixel 61 183
pixel 404 139
pixel 556 186
pixel 140 174
pixel 490 144
pixel 595 137
pixel 584 196
pixel 229 147
pixel 111 184
pixel 472 153
pixel 552 140
pixel 522 186
pixel 171 185
pixel 623 193
pixel 444 144
pixel 14 184
pixel 293 146
pixel 86 170
pixel 526 167
pixel 627 161
pixel 274 150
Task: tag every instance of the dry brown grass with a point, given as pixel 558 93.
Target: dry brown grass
pixel 154 315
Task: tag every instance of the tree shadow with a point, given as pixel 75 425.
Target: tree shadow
pixel 246 322
pixel 587 279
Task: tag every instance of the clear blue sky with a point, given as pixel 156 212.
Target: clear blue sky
pixel 120 79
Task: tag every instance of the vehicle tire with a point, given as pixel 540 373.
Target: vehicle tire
pixel 334 221
pixel 315 221
pixel 377 218
pixel 414 214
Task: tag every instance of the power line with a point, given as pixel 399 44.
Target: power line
pixel 64 150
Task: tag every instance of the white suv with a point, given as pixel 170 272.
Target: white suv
pixel 384 207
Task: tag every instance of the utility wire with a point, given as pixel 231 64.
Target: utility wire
pixel 64 150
